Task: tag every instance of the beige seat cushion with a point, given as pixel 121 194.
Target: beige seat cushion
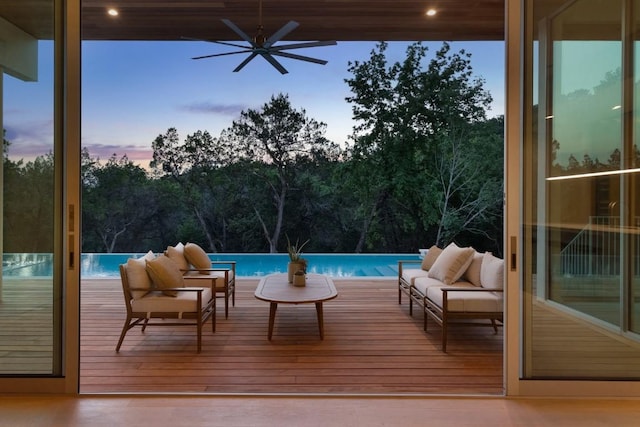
pixel 410 274
pixel 451 263
pixel 467 302
pixel 164 274
pixel 430 257
pixel 421 284
pixel 197 257
pixel 176 254
pixel 492 272
pixel 137 276
pixel 183 302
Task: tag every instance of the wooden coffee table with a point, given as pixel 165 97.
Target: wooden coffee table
pixel 276 289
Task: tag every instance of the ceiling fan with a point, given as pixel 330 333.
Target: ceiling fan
pixel 263 46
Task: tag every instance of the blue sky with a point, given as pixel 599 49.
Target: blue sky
pixel 134 91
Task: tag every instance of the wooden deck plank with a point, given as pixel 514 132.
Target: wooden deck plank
pixel 371 345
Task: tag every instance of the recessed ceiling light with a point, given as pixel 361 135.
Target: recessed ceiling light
pixel 431 12
pixel 112 12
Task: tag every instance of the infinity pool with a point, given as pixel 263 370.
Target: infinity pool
pixel 96 265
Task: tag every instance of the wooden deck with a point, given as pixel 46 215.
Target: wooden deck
pixel 371 346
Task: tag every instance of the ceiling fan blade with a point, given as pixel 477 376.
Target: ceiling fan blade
pixel 245 62
pixel 230 44
pixel 303 45
pixel 239 32
pixel 219 54
pixel 273 62
pixel 300 57
pixel 216 41
pixel 283 31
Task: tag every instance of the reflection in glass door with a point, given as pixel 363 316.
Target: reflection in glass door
pixel 581 232
pixel 632 180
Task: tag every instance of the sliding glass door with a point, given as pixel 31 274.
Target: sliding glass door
pixel 39 112
pixel 30 309
pixel 581 167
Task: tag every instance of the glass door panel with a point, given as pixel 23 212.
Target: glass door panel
pixel 580 237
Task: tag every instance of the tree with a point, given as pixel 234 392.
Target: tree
pixel 408 114
pixel 381 159
pixel 470 181
pixel 192 166
pixel 28 204
pixel 275 140
pixel 116 203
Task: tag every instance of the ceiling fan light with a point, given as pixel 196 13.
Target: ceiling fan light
pixel 431 12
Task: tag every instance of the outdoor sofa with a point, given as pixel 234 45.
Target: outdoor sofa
pixel 454 283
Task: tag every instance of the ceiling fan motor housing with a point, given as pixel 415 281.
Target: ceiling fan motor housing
pixel 259 38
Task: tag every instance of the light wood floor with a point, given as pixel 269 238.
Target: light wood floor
pixel 193 411
pixel 371 346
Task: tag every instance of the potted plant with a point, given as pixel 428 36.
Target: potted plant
pixel 299 278
pixel 296 262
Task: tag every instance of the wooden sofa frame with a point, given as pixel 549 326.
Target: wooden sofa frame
pixel 227 284
pixel 442 316
pixel 404 287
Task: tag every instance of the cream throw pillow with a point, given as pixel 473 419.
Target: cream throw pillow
pixel 451 263
pixel 197 257
pixel 137 275
pixel 472 275
pixel 176 254
pixel 432 254
pixel 164 274
pixel 492 272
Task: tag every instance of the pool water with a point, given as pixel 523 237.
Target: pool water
pixel 98 265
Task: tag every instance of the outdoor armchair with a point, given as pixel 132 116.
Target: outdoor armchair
pixel 196 265
pixel 155 289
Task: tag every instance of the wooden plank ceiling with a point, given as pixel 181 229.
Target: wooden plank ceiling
pixel 342 20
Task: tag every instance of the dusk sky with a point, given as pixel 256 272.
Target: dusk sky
pixel 134 91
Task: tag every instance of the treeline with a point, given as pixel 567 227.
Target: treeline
pixel 28 204
pixel 423 166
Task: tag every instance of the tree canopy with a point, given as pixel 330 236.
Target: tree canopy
pixel 423 166
pixel 422 128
